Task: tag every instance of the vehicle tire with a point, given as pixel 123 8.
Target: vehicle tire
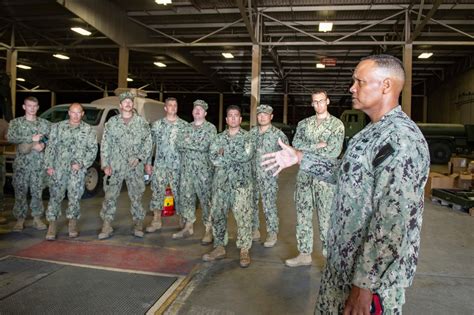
pixel 93 181
pixel 440 152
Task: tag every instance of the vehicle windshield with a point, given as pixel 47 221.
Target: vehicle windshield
pixel 56 114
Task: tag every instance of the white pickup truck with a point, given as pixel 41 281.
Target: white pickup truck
pixel 97 113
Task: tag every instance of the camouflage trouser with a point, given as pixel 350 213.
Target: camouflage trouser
pixel 312 194
pixel 160 179
pixel 332 296
pixel 267 188
pixel 28 174
pixel 191 186
pixel 133 177
pixel 2 182
pixel 61 181
pixel 237 199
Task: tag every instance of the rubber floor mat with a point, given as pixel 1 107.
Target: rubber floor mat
pixel 39 287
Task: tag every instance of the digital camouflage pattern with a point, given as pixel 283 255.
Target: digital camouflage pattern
pixel 28 170
pixel 3 136
pixel 377 214
pixel 121 145
pixel 265 184
pixel 196 171
pixel 310 192
pixel 166 168
pixel 68 145
pixel 232 186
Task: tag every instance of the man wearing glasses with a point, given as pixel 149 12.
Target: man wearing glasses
pixel 322 134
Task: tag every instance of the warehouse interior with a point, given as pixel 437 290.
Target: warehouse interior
pixel 275 54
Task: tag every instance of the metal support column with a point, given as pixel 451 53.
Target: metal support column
pixel 285 108
pixel 407 64
pixel 221 111
pixel 123 67
pixel 53 98
pixel 255 84
pixel 12 57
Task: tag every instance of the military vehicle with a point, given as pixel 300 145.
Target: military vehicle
pixel 443 139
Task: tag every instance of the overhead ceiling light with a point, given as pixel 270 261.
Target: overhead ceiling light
pixel 129 79
pixel 325 26
pixel 227 55
pixel 20 79
pixel 159 64
pixel 23 67
pixel 81 31
pixel 425 55
pixel 164 2
pixel 320 66
pixel 59 56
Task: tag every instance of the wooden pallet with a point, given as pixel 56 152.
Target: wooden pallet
pixel 449 204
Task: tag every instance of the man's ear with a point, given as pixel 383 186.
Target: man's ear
pixel 387 85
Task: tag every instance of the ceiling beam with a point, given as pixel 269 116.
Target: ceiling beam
pixel 245 18
pixel 427 18
pixel 113 22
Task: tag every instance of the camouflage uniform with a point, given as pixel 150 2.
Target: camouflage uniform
pixel 121 144
pixel 312 193
pixel 265 184
pixel 28 170
pixel 68 145
pixel 232 187
pixel 196 171
pixel 377 213
pixel 3 136
pixel 166 169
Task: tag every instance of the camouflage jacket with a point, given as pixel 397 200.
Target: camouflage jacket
pixel 309 134
pixel 233 166
pixel 265 143
pixel 122 142
pixel 166 137
pixel 377 213
pixel 21 131
pixel 194 146
pixel 68 145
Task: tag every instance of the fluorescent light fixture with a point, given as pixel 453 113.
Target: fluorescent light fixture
pixel 129 79
pixel 159 64
pixel 23 67
pixel 81 31
pixel 59 56
pixel 228 55
pixel 164 2
pixel 325 26
pixel 20 79
pixel 425 55
pixel 320 66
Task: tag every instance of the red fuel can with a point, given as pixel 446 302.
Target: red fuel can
pixel 168 204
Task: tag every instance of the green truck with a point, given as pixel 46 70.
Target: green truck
pixel 443 139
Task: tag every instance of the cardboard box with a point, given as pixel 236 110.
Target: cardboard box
pixel 471 212
pixel 470 167
pixel 437 180
pixel 457 165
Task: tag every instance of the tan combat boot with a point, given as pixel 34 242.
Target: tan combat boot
pixel 300 260
pixel 107 230
pixel 138 229
pixel 38 224
pixel 216 253
pixel 186 232
pixel 155 225
pixel 244 258
pixel 207 239
pixel 72 228
pixel 256 235
pixel 51 234
pixel 271 240
pixel 19 225
pixel 3 220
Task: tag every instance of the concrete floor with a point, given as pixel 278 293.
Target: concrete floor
pixel 444 283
